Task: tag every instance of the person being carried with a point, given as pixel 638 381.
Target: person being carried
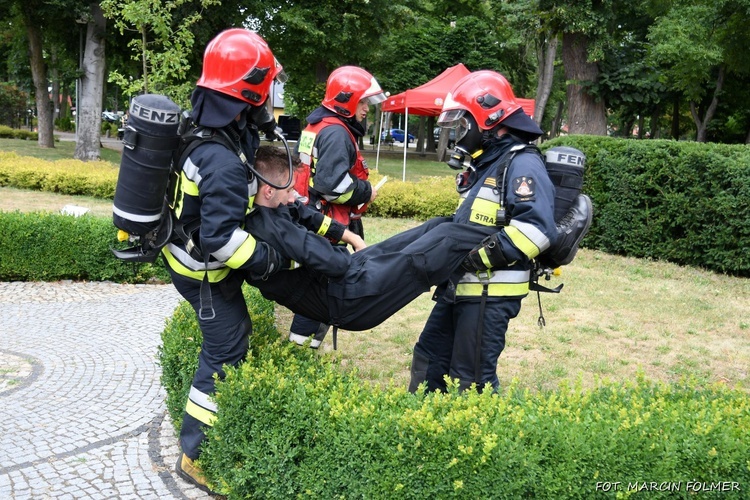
pixel 355 291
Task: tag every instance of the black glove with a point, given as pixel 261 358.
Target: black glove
pixel 274 263
pixel 486 255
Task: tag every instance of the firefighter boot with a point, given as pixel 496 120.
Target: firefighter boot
pixel 419 365
pixel 191 473
pixel 317 337
pixel 570 231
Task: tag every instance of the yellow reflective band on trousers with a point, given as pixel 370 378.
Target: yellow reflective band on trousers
pixel 242 254
pixel 200 414
pixel 501 284
pixel 323 229
pixel 214 275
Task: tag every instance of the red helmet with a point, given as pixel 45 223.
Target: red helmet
pixel 348 85
pixel 487 95
pixel 239 63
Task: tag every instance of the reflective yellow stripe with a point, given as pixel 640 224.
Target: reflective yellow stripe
pixel 200 414
pixel 494 289
pixel 189 187
pixel 323 229
pixel 522 242
pixel 343 198
pixel 214 275
pixel 242 254
pixel 484 212
pixel 485 258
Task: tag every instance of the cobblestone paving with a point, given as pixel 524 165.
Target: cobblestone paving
pixel 80 399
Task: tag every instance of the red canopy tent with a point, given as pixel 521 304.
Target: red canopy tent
pixel 427 100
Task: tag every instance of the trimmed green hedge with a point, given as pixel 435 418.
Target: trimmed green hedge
pixel 17 133
pixel 684 202
pixel 291 423
pixel 73 177
pixel 422 200
pixel 43 246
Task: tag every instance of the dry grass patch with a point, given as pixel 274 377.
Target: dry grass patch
pixel 26 200
pixel 615 317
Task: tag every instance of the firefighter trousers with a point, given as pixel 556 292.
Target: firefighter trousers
pixel 225 342
pixel 382 278
pixel 448 343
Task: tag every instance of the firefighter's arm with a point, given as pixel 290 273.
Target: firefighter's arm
pixel 532 227
pixel 334 182
pixel 224 201
pixel 317 222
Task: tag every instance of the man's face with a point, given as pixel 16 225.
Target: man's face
pixel 362 108
pixel 282 196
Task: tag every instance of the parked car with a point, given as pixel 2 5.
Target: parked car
pixel 451 136
pixel 109 116
pixel 397 134
pixel 291 127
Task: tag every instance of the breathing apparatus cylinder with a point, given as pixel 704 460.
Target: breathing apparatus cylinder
pixel 565 166
pixel 150 139
pixel 140 208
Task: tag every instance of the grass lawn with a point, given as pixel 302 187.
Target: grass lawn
pixel 615 317
pixel 63 150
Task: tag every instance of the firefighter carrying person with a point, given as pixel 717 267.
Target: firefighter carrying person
pixel 210 251
pixel 361 290
pixel 507 190
pixel 338 185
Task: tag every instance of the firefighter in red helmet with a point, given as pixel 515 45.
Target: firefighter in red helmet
pixel 506 187
pixel 337 182
pixel 210 251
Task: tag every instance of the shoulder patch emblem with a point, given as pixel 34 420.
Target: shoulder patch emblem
pixel 524 186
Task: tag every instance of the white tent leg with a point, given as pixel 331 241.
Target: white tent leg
pixel 377 138
pixel 406 139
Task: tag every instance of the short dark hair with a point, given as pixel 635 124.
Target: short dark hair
pixel 273 163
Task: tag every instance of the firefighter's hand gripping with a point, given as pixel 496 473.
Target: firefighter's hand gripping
pixel 486 255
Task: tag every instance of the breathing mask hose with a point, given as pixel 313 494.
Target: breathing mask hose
pixel 280 136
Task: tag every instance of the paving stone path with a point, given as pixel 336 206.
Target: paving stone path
pixel 81 403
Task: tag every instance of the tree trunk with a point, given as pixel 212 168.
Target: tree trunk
pixel 421 135
pixel 554 130
pixel 676 118
pixel 39 75
pixel 430 135
pixel 701 123
pixel 655 134
pixel 586 115
pixel 546 57
pixel 92 80
pixel 641 126
pixel 442 146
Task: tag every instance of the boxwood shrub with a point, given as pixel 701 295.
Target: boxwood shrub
pixel 294 423
pixel 45 246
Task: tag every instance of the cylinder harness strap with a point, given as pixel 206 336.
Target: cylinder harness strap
pixel 484 278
